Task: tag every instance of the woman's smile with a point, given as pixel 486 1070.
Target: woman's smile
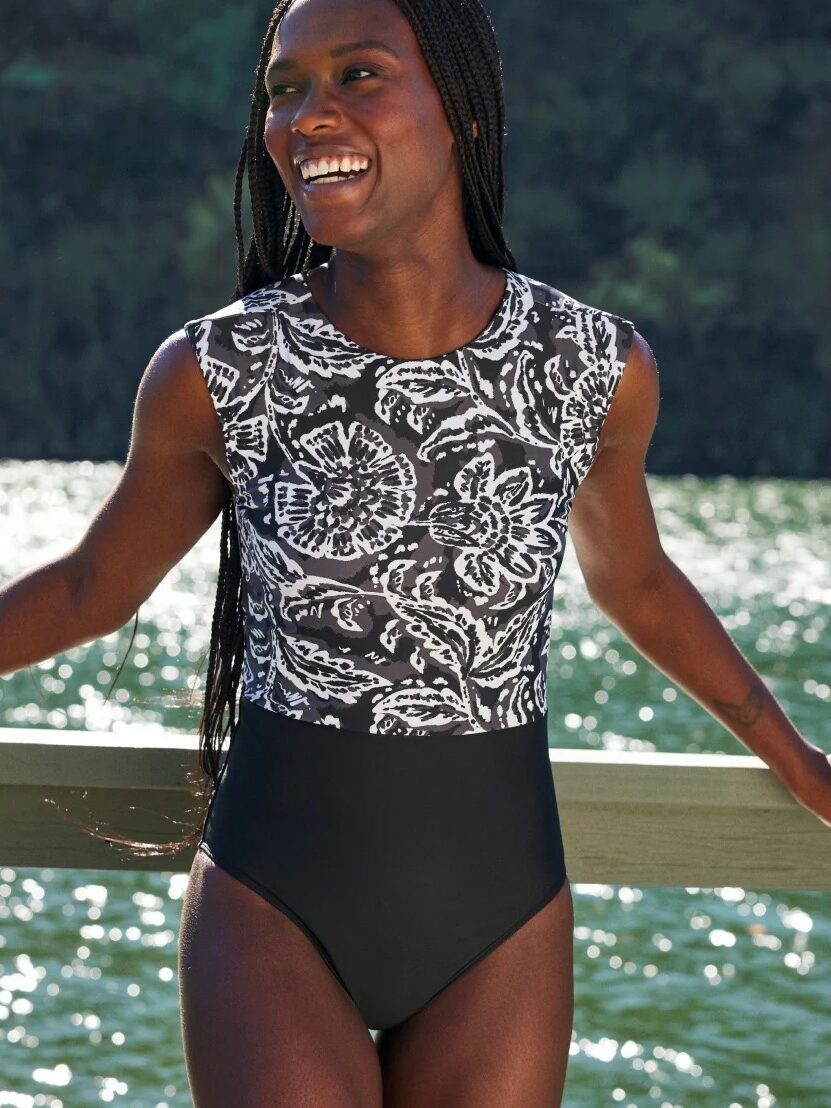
pixel 321 165
pixel 333 181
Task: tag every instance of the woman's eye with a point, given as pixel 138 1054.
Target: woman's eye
pixel 360 69
pixel 277 90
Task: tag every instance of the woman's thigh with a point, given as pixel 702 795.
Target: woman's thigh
pixel 264 1020
pixel 498 1036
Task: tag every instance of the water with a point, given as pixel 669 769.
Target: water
pixel 715 997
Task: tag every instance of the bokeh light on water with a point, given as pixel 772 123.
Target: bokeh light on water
pixel 46 508
pixel 711 997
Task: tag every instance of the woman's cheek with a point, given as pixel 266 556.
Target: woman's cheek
pixel 274 146
pixel 270 133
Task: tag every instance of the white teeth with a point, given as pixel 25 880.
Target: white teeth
pixel 324 167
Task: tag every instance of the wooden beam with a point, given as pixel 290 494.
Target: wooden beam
pixel 695 820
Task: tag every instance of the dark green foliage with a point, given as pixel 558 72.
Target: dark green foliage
pixel 669 161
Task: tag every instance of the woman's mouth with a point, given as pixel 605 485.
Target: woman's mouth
pixel 333 174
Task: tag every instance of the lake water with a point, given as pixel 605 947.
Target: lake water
pixel 716 997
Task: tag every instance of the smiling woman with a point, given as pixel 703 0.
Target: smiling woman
pixel 403 420
pixel 400 430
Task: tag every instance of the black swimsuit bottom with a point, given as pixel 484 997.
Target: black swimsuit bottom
pixel 405 859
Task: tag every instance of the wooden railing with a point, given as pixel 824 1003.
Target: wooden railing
pixel 690 820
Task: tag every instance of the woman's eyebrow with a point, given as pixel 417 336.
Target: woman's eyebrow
pixel 280 65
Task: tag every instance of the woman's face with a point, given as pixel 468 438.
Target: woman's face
pixel 328 97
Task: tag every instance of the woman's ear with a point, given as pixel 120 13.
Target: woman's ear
pixel 475 129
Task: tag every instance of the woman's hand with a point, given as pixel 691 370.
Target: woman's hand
pixel 811 783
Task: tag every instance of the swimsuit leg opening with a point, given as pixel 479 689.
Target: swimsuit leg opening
pixel 285 909
pixel 538 906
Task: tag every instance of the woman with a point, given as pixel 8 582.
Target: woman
pixel 398 428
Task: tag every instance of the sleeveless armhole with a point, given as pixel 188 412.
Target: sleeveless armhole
pixel 597 387
pixel 211 340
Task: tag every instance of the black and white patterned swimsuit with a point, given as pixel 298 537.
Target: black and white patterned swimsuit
pixel 402 525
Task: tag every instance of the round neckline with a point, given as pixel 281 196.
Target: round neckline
pixel 314 308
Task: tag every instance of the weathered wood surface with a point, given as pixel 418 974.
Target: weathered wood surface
pixel 639 819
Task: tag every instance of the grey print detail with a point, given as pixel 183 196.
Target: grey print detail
pixel 402 523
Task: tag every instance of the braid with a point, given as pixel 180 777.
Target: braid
pixel 459 45
pixel 238 208
pixel 226 643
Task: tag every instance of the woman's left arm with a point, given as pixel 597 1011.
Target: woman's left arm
pixel 643 592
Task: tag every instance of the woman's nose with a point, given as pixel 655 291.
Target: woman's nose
pixel 318 108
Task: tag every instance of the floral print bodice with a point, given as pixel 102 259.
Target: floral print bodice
pixel 402 523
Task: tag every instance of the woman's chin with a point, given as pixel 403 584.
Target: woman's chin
pixel 342 233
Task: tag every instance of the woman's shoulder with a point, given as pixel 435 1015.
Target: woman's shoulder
pixel 565 304
pixel 233 343
pixel 588 329
pixel 287 290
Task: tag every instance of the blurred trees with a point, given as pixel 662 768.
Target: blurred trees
pixel 668 161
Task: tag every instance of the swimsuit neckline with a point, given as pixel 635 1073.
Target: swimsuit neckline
pixel 509 304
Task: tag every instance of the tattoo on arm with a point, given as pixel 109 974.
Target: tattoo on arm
pixel 746 711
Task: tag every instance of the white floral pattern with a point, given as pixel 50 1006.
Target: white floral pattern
pixel 354 496
pixel 402 523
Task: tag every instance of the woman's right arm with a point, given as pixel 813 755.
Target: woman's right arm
pixel 174 484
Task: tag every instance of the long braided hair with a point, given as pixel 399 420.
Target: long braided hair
pixel 459 45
